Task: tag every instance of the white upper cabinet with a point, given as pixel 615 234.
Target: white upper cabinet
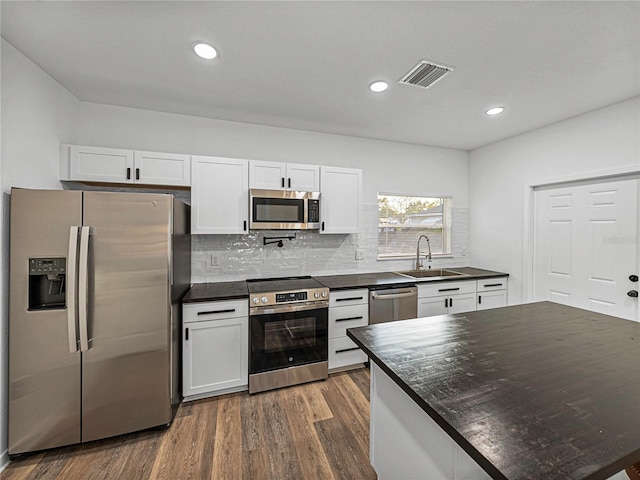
pixel 219 195
pixel 113 165
pixel 152 168
pixel 284 176
pixel 340 199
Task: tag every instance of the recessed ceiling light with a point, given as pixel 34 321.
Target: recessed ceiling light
pixel 378 86
pixel 204 50
pixel 495 111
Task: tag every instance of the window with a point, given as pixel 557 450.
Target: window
pixel 402 219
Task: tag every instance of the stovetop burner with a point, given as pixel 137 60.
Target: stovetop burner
pixel 282 284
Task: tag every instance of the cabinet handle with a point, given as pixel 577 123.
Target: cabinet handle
pixel 448 289
pixel 186 334
pixel 349 318
pixel 282 181
pixel 323 226
pixel 451 302
pixel 244 226
pixel 347 349
pixel 446 303
pixel 128 173
pixel 479 299
pixel 289 185
pixel 210 312
pixel 493 285
pixel 137 174
pixel 349 299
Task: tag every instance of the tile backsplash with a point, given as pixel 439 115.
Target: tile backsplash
pixel 220 258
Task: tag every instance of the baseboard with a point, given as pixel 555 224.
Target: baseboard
pixel 4 460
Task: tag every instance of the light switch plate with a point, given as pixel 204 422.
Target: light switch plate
pixel 359 254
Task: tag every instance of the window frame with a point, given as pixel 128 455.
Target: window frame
pixel 447 227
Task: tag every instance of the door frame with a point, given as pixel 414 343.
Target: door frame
pixel 627 172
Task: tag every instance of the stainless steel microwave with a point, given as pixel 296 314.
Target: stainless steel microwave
pixel 284 210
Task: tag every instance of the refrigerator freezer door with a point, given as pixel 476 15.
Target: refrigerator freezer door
pixel 126 369
pixel 44 376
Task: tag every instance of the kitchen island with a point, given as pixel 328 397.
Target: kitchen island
pixel 534 391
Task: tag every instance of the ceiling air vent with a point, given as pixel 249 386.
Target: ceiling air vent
pixel 425 74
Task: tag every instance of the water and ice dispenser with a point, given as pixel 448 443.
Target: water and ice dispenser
pixel 47 283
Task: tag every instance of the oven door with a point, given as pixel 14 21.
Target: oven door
pixel 280 339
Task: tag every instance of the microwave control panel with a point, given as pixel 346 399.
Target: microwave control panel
pixel 313 215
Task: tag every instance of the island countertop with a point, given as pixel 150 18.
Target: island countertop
pixel 539 390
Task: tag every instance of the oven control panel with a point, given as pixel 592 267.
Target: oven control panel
pixel 290 297
pixel 275 298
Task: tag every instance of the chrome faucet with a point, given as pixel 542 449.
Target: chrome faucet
pixel 418 264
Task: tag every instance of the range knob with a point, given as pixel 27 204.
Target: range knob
pixel 255 300
pixel 324 294
pixel 264 299
pixel 316 294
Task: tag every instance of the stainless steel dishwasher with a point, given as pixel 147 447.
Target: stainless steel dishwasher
pixel 390 304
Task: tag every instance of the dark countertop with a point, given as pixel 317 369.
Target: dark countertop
pixel 206 292
pixel 539 390
pixel 365 280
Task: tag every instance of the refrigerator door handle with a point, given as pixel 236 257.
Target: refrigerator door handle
pixel 72 297
pixel 83 287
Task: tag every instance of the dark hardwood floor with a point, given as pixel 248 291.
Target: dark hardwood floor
pixel 315 431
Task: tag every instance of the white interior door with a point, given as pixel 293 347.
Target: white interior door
pixel 586 246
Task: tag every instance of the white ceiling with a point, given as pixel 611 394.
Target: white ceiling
pixel 306 65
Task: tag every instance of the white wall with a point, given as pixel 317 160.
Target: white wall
pixel 37 114
pixel 604 139
pixel 387 167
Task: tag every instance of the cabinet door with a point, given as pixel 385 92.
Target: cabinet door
pixel 343 352
pixel 492 299
pixel 267 175
pixel 219 195
pixel 152 168
pixel 215 355
pixel 305 178
pixel 462 303
pixel 430 306
pixel 340 199
pixel 97 164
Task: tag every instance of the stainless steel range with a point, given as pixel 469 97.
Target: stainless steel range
pixel 288 332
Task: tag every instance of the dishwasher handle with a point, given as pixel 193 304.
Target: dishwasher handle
pixel 391 296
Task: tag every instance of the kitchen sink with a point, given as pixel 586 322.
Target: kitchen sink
pixel 439 272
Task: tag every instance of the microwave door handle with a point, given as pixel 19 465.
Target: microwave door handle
pixel 72 285
pixel 83 287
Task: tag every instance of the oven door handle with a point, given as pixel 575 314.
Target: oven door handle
pixel 288 308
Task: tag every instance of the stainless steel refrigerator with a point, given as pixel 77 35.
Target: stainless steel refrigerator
pixel 95 284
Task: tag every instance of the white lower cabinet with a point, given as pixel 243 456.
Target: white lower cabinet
pixel 492 293
pixel 215 338
pixel 347 308
pixel 446 297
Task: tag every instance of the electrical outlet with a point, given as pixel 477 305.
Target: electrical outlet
pixel 359 254
pixel 215 261
pixel 463 252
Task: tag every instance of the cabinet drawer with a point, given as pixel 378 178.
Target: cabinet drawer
pixel 341 318
pixel 197 312
pixel 446 288
pixel 489 284
pixel 340 298
pixel 343 352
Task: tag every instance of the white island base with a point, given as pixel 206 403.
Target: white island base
pixel 406 444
